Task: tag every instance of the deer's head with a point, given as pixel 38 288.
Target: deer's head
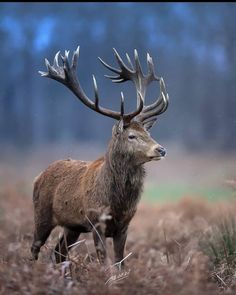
pixel 130 134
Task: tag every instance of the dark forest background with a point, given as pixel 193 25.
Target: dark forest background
pixel 193 46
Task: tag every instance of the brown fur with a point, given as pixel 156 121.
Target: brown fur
pixel 74 194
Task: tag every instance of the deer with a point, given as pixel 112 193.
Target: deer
pixel 74 194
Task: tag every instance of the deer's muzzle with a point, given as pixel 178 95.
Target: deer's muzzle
pixel 156 153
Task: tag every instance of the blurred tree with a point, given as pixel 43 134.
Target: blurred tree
pixel 192 44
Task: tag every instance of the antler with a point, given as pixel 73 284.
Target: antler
pixel 148 115
pixel 66 74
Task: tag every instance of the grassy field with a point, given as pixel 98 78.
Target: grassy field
pixel 175 192
pixel 182 239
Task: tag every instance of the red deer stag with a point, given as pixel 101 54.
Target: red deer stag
pixel 73 193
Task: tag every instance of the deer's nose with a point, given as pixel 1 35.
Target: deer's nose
pixel 161 151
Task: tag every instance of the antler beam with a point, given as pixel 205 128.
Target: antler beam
pixel 149 113
pixel 66 74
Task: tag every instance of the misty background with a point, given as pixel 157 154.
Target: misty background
pixel 193 46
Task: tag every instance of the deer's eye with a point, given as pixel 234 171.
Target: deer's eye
pixel 131 136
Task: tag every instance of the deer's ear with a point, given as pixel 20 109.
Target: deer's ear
pixel 149 123
pixel 118 128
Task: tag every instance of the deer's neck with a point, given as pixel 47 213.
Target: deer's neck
pixel 124 180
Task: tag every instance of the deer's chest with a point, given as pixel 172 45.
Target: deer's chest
pixel 119 222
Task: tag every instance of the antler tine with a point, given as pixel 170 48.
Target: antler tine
pixel 152 106
pixel 151 71
pixel 109 67
pixel 75 58
pixel 55 62
pixel 163 104
pixel 134 74
pixel 137 63
pixel 124 73
pixel 95 92
pixel 120 61
pixel 53 72
pixel 159 101
pixel 149 114
pixel 65 61
pixel 139 108
pixel 141 81
pixel 129 61
pixel 66 74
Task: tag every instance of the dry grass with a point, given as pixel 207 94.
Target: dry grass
pixel 167 250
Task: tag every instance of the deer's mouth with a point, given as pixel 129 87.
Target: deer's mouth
pixel 156 158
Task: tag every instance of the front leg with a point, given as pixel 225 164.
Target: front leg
pixel 119 244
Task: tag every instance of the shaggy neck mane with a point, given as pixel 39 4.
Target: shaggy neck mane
pixel 125 178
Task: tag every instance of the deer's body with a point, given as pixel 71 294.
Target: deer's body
pixel 76 194
pixel 70 188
